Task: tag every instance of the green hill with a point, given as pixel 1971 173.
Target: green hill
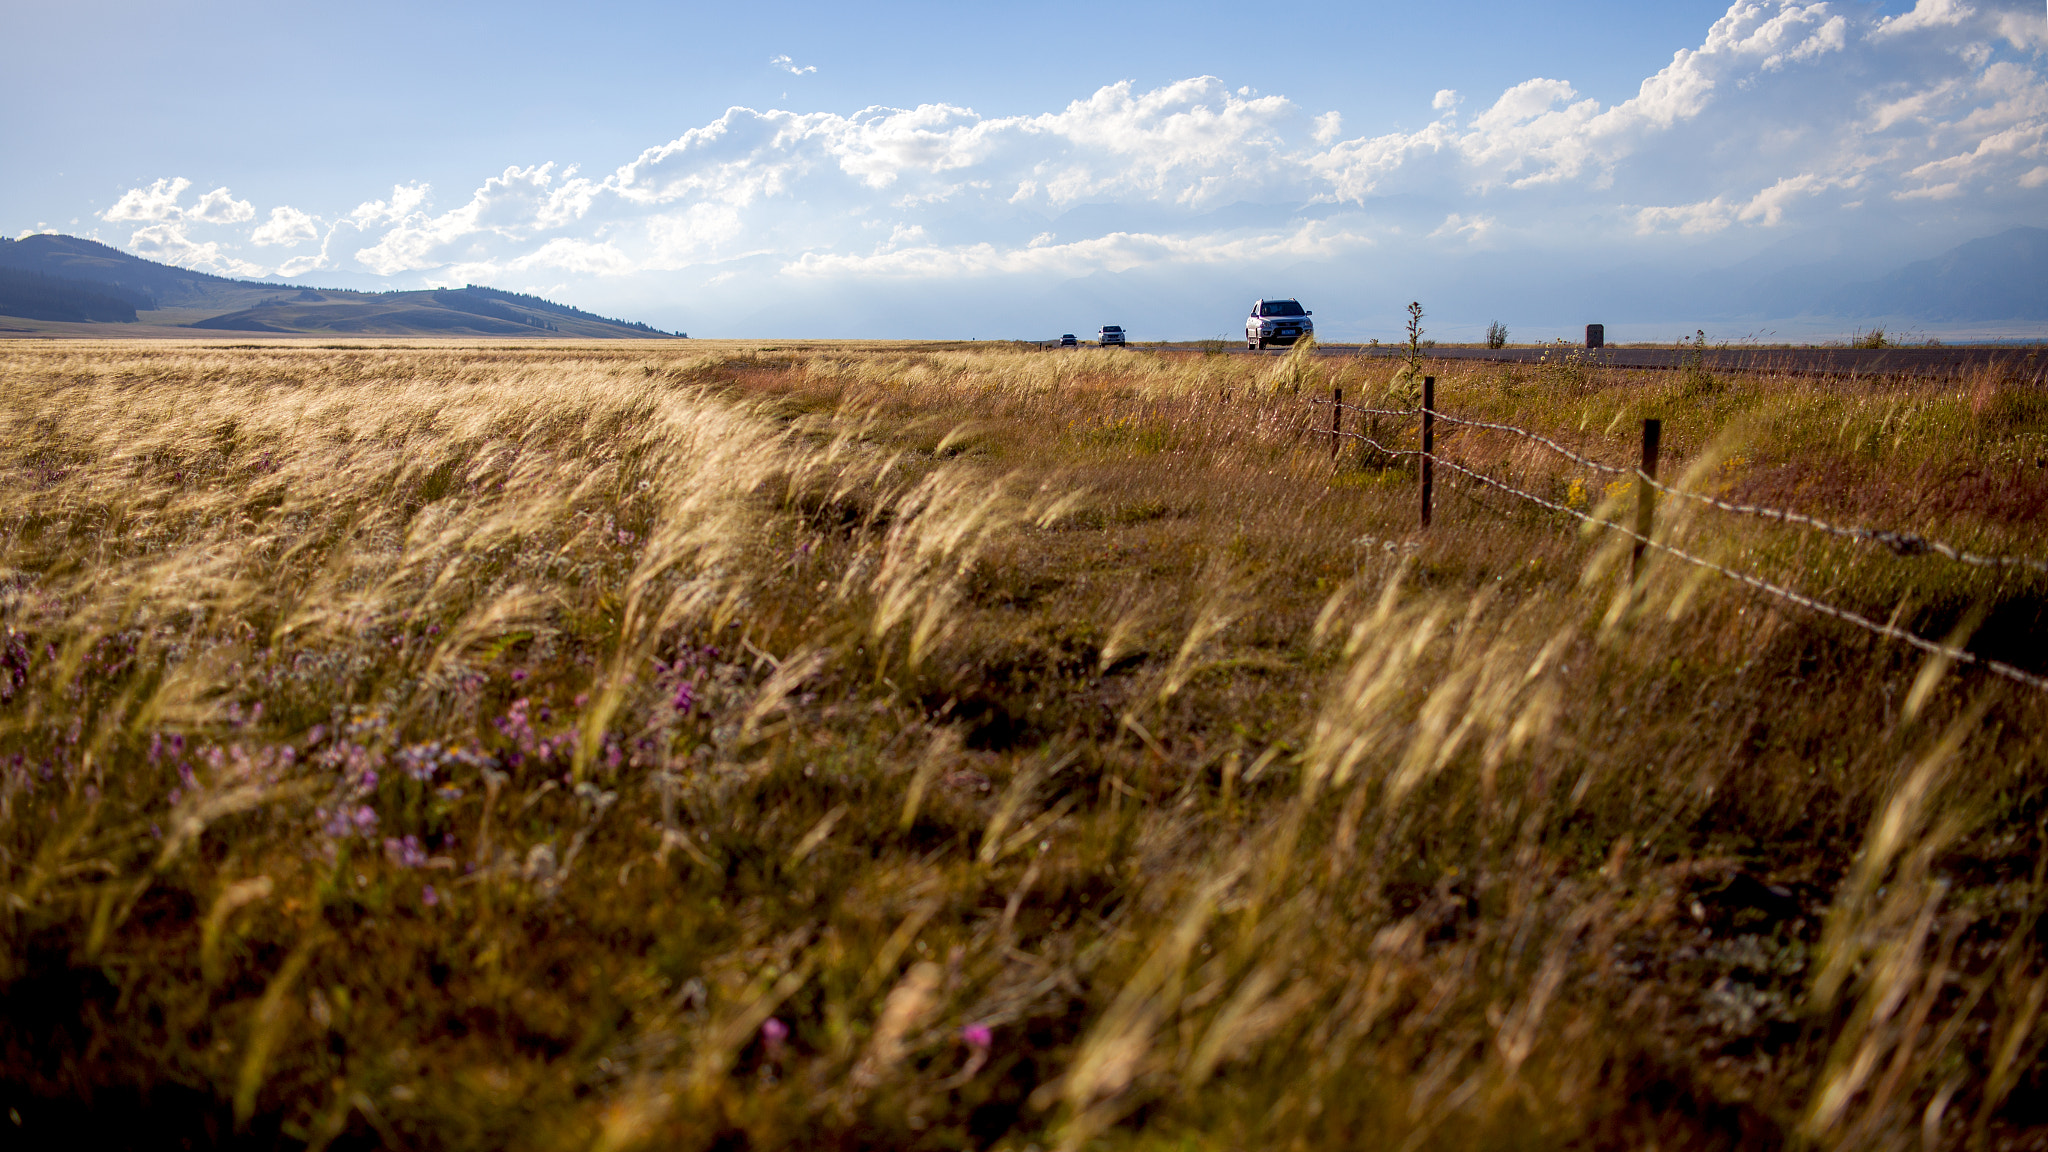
pixel 65 279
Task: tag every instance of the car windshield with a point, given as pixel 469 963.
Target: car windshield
pixel 1281 308
pixel 1111 328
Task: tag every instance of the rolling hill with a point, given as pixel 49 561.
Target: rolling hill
pixel 65 285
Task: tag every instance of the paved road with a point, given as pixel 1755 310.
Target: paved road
pixel 1938 363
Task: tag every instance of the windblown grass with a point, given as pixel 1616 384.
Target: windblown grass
pixel 813 745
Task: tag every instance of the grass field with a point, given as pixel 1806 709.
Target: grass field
pixel 749 746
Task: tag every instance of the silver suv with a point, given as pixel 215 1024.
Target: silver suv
pixel 1280 322
pixel 1111 335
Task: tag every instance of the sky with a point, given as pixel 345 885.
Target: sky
pixel 959 170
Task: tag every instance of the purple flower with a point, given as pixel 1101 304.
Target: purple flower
pixel 365 819
pixel 421 761
pixel 686 698
pixel 977 1036
pixel 773 1033
pixel 518 674
pixel 428 896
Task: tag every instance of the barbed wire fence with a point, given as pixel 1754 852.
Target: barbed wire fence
pixel 1900 543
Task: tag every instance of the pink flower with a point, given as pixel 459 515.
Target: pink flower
pixel 977 1036
pixel 773 1033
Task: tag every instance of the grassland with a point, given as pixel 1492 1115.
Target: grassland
pixel 732 746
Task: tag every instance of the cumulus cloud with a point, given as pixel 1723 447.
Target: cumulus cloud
pixel 159 201
pixel 1784 113
pixel 287 227
pixel 169 244
pixel 166 223
pixel 791 66
pixel 218 207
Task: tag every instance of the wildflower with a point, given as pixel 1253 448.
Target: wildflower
pixel 365 819
pixel 977 1037
pixel 405 852
pixel 685 699
pixel 428 896
pixel 773 1033
pixel 518 674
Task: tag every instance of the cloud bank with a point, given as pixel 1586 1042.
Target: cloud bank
pixel 1786 116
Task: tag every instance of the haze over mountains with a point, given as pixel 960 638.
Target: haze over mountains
pixel 51 284
pixel 54 285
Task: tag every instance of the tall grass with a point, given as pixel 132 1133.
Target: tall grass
pixel 896 746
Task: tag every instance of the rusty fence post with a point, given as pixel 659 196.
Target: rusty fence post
pixel 1336 420
pixel 1646 496
pixel 1428 443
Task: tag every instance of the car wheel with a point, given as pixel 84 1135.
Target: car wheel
pixel 1262 345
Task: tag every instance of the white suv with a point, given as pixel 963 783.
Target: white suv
pixel 1110 336
pixel 1279 322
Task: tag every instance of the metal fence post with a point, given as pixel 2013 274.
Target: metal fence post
pixel 1428 442
pixel 1646 496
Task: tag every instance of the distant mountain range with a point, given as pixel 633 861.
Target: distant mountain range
pixel 2002 277
pixel 51 284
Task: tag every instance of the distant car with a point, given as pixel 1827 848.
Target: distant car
pixel 1111 334
pixel 1067 341
pixel 1280 322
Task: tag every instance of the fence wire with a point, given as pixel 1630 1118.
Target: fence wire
pixel 1960 656
pixel 1374 443
pixel 1547 442
pixel 1900 543
pixel 1371 411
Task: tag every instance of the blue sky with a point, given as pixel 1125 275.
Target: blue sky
pixel 962 170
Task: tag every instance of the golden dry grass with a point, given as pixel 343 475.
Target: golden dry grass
pixel 797 745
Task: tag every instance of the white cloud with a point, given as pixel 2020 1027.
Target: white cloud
pixel 287 227
pixel 166 225
pixel 405 200
pixel 1472 228
pixel 168 243
pixel 791 66
pixel 218 207
pixel 1767 207
pixel 159 201
pixel 1926 14
pixel 1785 113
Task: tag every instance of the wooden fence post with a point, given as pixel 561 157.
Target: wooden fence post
pixel 1428 442
pixel 1336 420
pixel 1646 496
